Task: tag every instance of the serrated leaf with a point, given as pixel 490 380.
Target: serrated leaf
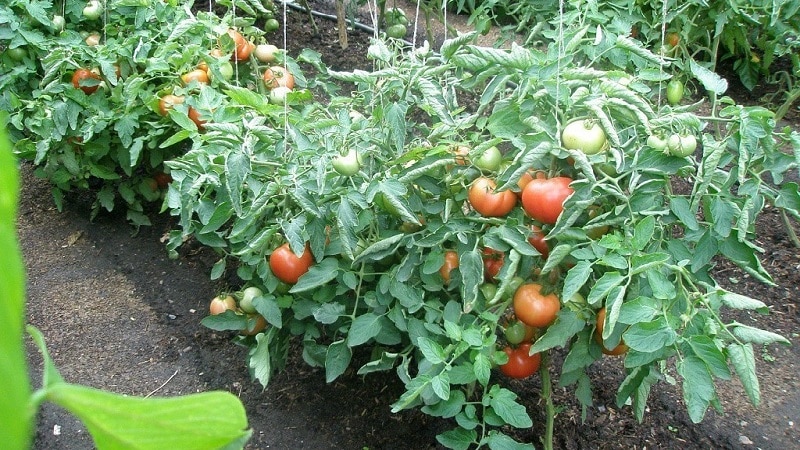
pixel 432 351
pixel 363 328
pixel 710 80
pixel 226 321
pixel 500 441
pixel 441 385
pixel 504 404
pixel 457 438
pixel 576 278
pixel 757 335
pixel 648 337
pixel 738 301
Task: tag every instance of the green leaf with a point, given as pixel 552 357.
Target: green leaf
pixel 647 337
pixel 576 278
pixel 648 261
pixel 705 349
pixel 566 326
pixel 710 80
pixel 119 421
pixel 457 438
pixel 432 351
pixel 237 169
pixel 744 363
pixel 698 387
pixel 447 408
pixel 482 369
pixel 267 306
pixel 604 285
pixel 363 328
pixel 317 276
pixel 226 321
pixel 337 359
pixel 413 390
pixel 555 257
pixel 682 210
pixel 788 198
pixel 259 358
pixel 470 264
pixel 17 426
pixel 643 233
pixel 738 301
pixel 441 385
pixel 757 335
pixel 503 402
pixel 499 441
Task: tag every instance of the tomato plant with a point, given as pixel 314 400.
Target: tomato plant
pixel 543 199
pixel 535 308
pixel 487 201
pixel 520 363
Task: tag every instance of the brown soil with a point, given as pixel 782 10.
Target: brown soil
pixel 118 314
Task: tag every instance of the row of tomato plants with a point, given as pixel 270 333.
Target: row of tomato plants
pixel 453 211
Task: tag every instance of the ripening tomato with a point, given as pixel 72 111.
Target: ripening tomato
pixel 256 323
pixel 673 39
pixel 450 263
pixel 584 135
pixel 265 52
pixel 492 263
pixel 537 240
pixel 535 308
pixel 197 75
pixel 194 115
pixel 221 304
pixel 168 102
pixel 620 349
pixel 242 47
pixel 517 332
pixel 277 76
pixel 543 200
pixel 79 80
pixel 520 363
pixel 287 266
pixel 487 202
pixel 461 154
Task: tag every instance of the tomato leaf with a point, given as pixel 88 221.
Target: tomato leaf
pixel 576 278
pixel 604 285
pixel 566 326
pixel 738 301
pixel 441 385
pixel 757 335
pixel 449 407
pixel 363 328
pixel 743 361
pixel 471 268
pixel 317 275
pixel 503 402
pixel 706 349
pixel 482 369
pixel 413 390
pixel 337 359
pixel 698 386
pixel 648 337
pixel 226 321
pixel 120 421
pixel 432 351
pixel 457 438
pixel 499 441
pixel 710 80
pixel 267 306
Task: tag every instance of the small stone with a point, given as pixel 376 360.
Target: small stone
pixel 745 440
pixel 172 316
pixel 56 430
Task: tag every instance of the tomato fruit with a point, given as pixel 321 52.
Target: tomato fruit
pixel 673 39
pixel 584 135
pixel 168 102
pixel 256 323
pixel 673 142
pixel 489 290
pixel 598 336
pixel 674 92
pixel 287 266
pixel 397 31
pixel 93 39
pixel 533 307
pixel 276 76
pixel 242 47
pixel 520 363
pixel 450 263
pixel 656 142
pixel 265 52
pixel 194 116
pixel 271 25
pixel 16 53
pixel 543 199
pixel 489 160
pixel 93 10
pixel 59 23
pixel 487 202
pixel 517 332
pixel 162 179
pixel 248 295
pixel 492 263
pixel 537 240
pixel 277 96
pixel 225 71
pixel 221 304
pixel 461 155
pixel 687 144
pixel 349 164
pixel 79 80
pixel 197 75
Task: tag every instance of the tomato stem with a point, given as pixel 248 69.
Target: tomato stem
pixel 547 395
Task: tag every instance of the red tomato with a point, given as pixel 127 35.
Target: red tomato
pixel 198 75
pixel 242 47
pixel 162 179
pixel 221 304
pixel 450 263
pixel 79 77
pixel 620 349
pixel 487 202
pixel 534 308
pixel 492 262
pixel 520 364
pixel 287 266
pixel 195 117
pixel 544 199
pixel 167 102
pixel 278 76
pixel 538 241
pixel 255 324
pixel 673 39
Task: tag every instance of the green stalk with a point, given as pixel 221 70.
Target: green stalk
pixel 547 395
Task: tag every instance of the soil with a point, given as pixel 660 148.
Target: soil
pixel 118 314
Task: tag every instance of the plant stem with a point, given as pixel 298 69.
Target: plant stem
pixel 547 395
pixel 789 230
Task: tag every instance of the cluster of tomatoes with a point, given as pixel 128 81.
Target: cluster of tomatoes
pixel 542 199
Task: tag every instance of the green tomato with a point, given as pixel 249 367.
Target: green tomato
pixel 656 142
pixel 349 164
pixel 490 159
pixel 248 295
pixel 271 25
pixel 226 70
pixel 16 53
pixel 59 23
pixel 397 31
pixel 93 10
pixel 673 143
pixel 687 146
pixel 674 92
pixel 517 332
pixel 584 135
pixel 489 290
